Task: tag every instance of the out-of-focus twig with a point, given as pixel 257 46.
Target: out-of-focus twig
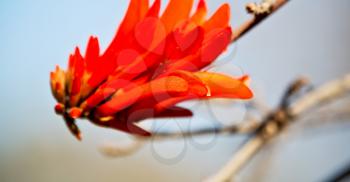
pixel 278 120
pixel 116 150
pixel 324 93
pixel 245 127
pixel 113 150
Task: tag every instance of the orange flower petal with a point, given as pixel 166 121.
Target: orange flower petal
pixel 213 45
pixel 220 19
pixel 182 42
pixel 218 86
pixel 163 87
pixel 223 86
pixel 136 12
pixel 175 12
pixel 199 16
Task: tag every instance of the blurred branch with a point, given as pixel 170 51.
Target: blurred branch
pixel 113 150
pixel 325 93
pixel 245 127
pixel 116 150
pixel 341 175
pixel 337 113
pixel 279 119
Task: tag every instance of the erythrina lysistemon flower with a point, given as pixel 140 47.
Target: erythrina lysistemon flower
pixel 153 63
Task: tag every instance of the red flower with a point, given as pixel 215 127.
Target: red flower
pixel 152 64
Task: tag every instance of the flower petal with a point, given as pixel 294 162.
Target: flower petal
pixel 92 54
pixel 154 9
pixel 175 12
pixel 223 86
pixel 57 83
pixel 220 19
pixel 182 42
pixel 125 126
pixel 136 12
pixel 144 110
pixel 199 16
pixel 213 45
pixel 218 86
pixel 75 74
pixel 163 87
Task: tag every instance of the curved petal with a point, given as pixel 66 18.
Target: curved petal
pixel 164 87
pixel 223 86
pixel 136 12
pixel 218 86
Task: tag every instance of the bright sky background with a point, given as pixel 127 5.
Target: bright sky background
pixel 308 38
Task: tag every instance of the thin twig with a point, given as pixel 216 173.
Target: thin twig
pixel 258 17
pixel 116 150
pixel 246 127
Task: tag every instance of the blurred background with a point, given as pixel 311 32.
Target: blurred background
pixel 309 38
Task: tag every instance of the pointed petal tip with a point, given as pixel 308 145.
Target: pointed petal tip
pixel 202 4
pixel 79 137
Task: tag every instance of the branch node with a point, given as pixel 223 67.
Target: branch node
pixel 260 9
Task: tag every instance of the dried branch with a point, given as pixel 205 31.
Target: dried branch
pixel 236 162
pixel 260 13
pixel 278 120
pixel 246 127
pixel 116 150
pixel 323 94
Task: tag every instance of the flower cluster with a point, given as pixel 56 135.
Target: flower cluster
pixel 153 62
